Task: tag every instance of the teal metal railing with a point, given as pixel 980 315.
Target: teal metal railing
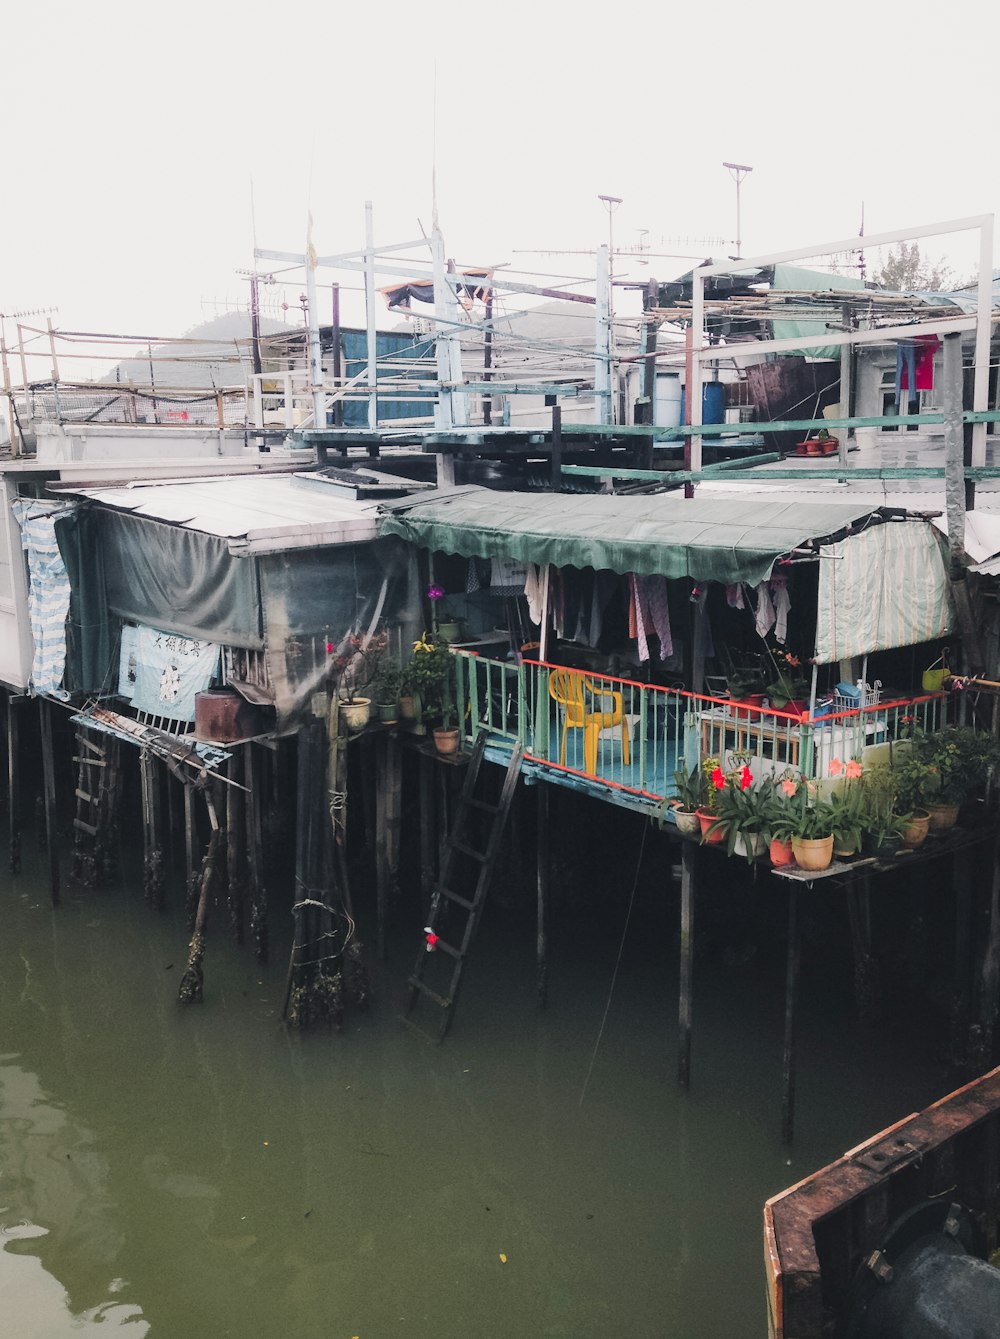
pixel 634 736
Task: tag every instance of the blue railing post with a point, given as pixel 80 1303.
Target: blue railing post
pixel 540 728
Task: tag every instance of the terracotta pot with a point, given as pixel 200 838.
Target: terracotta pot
pixel 446 741
pixel 802 448
pixel 942 816
pixel 356 714
pixel 687 822
pixel 408 707
pixel 780 852
pixel 711 832
pixel 813 853
pixel 916 830
pixel 814 447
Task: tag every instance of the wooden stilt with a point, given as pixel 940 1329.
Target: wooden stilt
pixel 989 1004
pixel 235 847
pixel 381 837
pixel 688 852
pixel 962 1039
pixel 13 785
pixel 153 880
pixel 394 787
pixel 371 754
pixel 190 990
pixel 791 1002
pixel 49 778
pixel 866 985
pixel 541 940
pixel 428 866
pixel 255 854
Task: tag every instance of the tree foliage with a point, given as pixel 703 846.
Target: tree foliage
pixel 905 270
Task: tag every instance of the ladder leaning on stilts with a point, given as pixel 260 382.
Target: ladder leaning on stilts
pixel 463 863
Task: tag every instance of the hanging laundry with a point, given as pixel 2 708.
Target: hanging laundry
pixel 706 642
pixel 605 584
pixel 734 596
pixel 642 620
pixel 633 624
pixel 915 365
pixel 782 606
pixel 472 581
pixel 764 617
pixel 533 594
pixel 653 596
pixel 170 670
pixel 507 576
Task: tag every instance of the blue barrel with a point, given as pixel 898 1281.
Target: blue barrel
pixel 713 403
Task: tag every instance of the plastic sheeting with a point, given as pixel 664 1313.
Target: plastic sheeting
pixel 48 594
pixel 316 598
pixel 886 587
pixel 794 277
pixel 180 580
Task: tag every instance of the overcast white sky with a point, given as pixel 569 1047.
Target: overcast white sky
pixel 133 133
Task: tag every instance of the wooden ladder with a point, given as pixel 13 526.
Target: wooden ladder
pixel 451 905
pixel 95 794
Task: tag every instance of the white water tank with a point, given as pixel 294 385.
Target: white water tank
pixel 667 400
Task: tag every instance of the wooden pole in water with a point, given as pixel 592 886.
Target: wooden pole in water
pixel 427 868
pixel 191 986
pixel 687 963
pixel 13 785
pixel 255 853
pixel 235 847
pixel 989 1004
pixel 791 1000
pixel 381 837
pixel 541 942
pixel 49 781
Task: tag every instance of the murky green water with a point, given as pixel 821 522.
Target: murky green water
pixel 200 1172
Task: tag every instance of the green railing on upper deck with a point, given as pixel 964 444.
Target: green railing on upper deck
pixel 634 736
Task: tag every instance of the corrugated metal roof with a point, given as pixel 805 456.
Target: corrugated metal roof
pixel 255 514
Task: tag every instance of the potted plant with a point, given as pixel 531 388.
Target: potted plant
pixel 959 760
pixel 748 688
pixel 387 690
pixel 917 787
pixel 431 674
pixel 789 689
pixel 689 792
pixel 883 823
pixel 714 781
pixel 743 813
pixel 449 628
pixel 847 807
pixel 356 663
pixel 806 821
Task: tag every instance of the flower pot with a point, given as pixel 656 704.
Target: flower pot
pixel 844 852
pixel 449 632
pixel 883 848
pixel 916 830
pixel 813 853
pixel 942 816
pixel 711 831
pixel 407 707
pixel 802 448
pixel 750 845
pixel 829 447
pixel 780 853
pixel 446 741
pixel 356 714
pixel 687 822
pixel 388 712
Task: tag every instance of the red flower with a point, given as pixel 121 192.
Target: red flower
pixel 746 778
pixel 719 779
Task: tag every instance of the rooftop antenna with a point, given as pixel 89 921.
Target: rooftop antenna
pixel 738 171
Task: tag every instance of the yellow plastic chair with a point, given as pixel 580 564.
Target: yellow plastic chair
pixel 577 696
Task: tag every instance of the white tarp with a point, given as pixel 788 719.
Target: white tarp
pixel 886 587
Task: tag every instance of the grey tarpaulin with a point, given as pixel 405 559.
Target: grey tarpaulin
pixel 180 580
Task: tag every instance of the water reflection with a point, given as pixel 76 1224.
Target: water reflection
pixel 51 1174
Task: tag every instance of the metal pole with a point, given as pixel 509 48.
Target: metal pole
pixel 338 405
pixel 984 314
pixel 370 315
pixel 312 329
pixel 602 340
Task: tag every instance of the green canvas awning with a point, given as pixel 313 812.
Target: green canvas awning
pixel 706 539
